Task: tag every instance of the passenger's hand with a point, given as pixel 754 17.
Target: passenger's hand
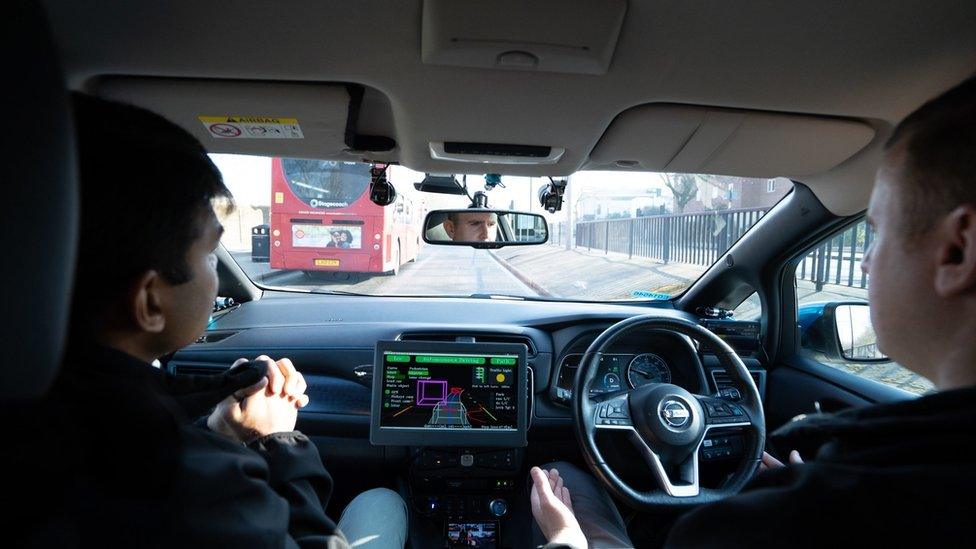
pixel 269 406
pixel 553 510
pixel 769 462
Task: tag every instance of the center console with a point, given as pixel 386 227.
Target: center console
pixel 462 408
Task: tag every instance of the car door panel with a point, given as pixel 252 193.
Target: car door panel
pixel 795 385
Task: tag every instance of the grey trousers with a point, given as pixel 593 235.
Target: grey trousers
pixel 597 514
pixel 375 519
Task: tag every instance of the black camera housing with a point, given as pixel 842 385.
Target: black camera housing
pixel 551 195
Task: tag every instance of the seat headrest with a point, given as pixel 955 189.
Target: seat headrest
pixel 38 225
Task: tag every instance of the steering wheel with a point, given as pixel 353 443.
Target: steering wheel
pixel 666 423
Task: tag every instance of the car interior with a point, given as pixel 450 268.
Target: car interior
pixel 799 90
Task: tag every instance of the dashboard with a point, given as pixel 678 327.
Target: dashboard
pixel 638 359
pixel 452 463
pixel 616 372
pixel 332 340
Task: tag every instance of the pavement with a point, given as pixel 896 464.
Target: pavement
pixel 549 271
pixel 595 275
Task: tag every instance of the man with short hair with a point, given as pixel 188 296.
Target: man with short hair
pixel 472 226
pixel 900 472
pixel 130 468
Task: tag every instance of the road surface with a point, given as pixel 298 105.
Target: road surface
pixel 438 270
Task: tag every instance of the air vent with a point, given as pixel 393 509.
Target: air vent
pixel 478 338
pixel 214 337
pixel 721 379
pixel 185 369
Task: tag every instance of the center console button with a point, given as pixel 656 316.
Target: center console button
pixel 498 507
pixel 467 460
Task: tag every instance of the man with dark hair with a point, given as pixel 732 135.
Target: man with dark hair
pixel 891 472
pixel 131 467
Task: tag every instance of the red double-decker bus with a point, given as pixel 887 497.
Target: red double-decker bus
pixel 323 220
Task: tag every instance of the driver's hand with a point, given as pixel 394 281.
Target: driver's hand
pixel 269 406
pixel 553 510
pixel 769 462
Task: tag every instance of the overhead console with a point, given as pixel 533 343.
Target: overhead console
pixel 697 139
pixel 495 153
pixel 518 35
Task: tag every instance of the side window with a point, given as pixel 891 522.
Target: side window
pixel 750 309
pixel 833 312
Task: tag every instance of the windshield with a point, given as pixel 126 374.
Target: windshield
pixel 309 225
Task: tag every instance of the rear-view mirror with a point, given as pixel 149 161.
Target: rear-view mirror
pixel 485 228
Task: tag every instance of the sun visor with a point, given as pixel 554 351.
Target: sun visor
pixel 690 139
pixel 298 120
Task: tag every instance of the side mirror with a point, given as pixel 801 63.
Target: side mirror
pixel 485 228
pixel 841 331
pixel 855 333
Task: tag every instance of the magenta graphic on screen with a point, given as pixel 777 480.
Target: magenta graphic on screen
pixel 431 392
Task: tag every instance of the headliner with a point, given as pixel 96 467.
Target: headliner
pixel 872 62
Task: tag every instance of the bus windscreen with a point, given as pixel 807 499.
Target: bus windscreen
pixel 324 183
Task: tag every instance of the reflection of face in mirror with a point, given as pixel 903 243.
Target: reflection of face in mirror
pixel 471 226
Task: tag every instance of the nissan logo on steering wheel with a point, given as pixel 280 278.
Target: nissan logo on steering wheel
pixel 675 413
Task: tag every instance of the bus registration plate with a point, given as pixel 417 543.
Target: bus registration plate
pixel 326 262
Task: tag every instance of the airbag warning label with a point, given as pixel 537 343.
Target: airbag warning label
pixel 251 127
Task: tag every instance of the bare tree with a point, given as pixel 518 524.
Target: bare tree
pixel 683 188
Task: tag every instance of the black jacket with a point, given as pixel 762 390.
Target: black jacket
pixel 901 474
pixel 112 459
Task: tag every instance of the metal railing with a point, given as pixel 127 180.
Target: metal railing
pixel 837 260
pixel 696 238
pixel 702 238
